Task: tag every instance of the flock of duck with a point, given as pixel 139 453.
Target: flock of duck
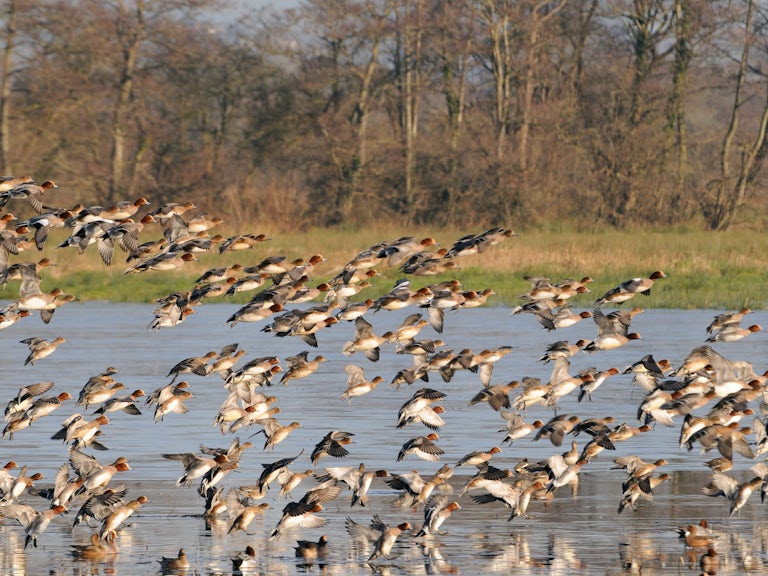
pixel 709 392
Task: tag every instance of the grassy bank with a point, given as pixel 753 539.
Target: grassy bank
pixel 705 269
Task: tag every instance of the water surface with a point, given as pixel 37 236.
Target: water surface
pixel 580 533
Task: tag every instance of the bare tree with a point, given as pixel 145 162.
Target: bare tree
pixel 451 47
pixel 676 106
pixel 732 189
pixel 342 65
pixel 5 87
pixel 407 69
pixel 540 15
pixel 497 56
pixel 130 33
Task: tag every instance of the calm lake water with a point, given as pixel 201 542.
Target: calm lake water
pixel 580 533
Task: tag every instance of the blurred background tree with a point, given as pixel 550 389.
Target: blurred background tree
pixel 516 112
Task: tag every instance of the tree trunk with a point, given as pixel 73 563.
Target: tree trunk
pixel 454 53
pixel 676 112
pixel 732 189
pixel 412 92
pixel 501 68
pixel 5 90
pixel 409 82
pixel 359 121
pixel 541 14
pixel 131 36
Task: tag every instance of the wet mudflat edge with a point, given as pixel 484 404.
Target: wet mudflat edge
pixel 579 532
pixel 573 534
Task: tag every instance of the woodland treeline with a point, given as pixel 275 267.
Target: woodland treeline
pixel 522 113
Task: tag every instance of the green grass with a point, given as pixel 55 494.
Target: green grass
pixel 705 269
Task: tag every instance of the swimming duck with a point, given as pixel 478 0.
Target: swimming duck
pixel 178 563
pixel 95 551
pixel 309 550
pixel 697 535
pixel 709 562
pixel 245 561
